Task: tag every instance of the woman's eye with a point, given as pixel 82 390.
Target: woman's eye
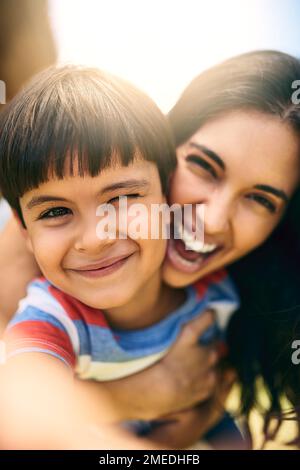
pixel 196 159
pixel 55 213
pixel 117 198
pixel 263 201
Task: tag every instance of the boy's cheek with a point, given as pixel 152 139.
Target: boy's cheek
pixel 24 232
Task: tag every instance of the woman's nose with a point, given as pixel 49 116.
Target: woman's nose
pixel 217 216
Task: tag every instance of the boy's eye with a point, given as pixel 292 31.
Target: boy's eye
pixel 55 213
pixel 201 162
pixel 117 198
pixel 263 201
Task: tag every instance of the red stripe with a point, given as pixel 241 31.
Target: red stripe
pixel 222 349
pixel 34 333
pixel 77 310
pixel 203 284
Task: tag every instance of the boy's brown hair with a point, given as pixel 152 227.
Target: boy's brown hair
pixel 73 114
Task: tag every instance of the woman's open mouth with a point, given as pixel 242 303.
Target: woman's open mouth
pixel 189 255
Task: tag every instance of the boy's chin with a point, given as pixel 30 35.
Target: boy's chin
pixel 104 302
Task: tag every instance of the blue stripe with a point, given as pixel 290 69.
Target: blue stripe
pixel 41 284
pixel 34 314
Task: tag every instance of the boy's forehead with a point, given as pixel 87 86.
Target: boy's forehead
pixel 138 175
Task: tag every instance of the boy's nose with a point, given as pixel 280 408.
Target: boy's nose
pixel 91 240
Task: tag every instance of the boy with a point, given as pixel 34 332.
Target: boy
pixel 76 139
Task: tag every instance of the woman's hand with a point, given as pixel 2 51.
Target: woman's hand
pixel 184 377
pixel 188 368
pixel 18 267
pixel 184 429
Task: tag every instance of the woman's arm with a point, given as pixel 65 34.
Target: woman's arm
pixel 18 267
pixel 184 429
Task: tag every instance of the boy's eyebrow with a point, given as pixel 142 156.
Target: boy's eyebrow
pixel 126 184
pixel 38 200
pixel 134 184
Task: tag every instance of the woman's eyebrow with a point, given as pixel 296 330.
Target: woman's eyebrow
pixel 38 200
pixel 210 154
pixel 270 189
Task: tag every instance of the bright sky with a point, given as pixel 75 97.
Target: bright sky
pixel 160 45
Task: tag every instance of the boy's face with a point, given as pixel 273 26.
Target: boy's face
pixel 61 222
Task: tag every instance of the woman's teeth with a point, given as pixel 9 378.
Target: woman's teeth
pixel 190 243
pixel 199 247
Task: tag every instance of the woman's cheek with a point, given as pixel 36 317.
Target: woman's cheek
pixel 184 188
pixel 250 232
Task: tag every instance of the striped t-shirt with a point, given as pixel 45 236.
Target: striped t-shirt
pixel 52 322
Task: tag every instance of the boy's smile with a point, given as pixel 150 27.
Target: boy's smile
pixel 60 217
pixel 103 267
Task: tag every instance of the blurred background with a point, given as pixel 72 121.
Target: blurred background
pixel 160 45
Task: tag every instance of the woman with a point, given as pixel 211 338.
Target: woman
pixel 237 133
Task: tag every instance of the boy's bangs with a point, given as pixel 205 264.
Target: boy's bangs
pixel 78 141
pixel 72 120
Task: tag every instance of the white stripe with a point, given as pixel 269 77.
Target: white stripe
pixel 104 371
pixel 43 301
pixel 223 310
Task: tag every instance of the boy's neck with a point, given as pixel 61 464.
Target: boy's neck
pixel 153 302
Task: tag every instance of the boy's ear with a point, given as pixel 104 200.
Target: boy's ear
pixel 23 230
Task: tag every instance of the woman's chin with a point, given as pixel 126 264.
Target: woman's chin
pixel 175 278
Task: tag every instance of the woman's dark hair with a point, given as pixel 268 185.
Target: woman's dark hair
pixel 79 116
pixel 260 81
pixel 261 333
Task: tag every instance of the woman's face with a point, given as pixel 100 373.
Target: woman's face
pixel 244 167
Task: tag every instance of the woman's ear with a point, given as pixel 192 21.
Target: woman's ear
pixel 23 230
